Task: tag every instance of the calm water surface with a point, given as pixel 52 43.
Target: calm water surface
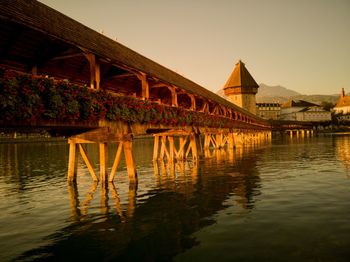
pixel 285 201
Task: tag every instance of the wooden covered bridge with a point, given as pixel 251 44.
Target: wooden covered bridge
pixel 57 73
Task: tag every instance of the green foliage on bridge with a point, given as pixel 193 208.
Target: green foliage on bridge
pixel 28 98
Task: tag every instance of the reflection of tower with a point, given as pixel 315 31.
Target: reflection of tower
pixel 241 88
pixel 343 151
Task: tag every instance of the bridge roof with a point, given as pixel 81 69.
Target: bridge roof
pixel 240 77
pixel 44 19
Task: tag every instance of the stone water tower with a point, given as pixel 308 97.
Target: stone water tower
pixel 241 88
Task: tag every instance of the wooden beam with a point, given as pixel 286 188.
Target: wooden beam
pixel 94 70
pixel 103 161
pixel 155 148
pixel 160 85
pixel 144 83
pixel 173 96
pixel 116 162
pixel 66 56
pixel 129 159
pixel 193 102
pixel 87 162
pixel 122 75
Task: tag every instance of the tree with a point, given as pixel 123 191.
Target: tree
pixel 327 105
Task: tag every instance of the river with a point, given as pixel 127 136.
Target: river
pixel 288 200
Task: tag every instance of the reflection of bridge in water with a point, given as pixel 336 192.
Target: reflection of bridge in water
pixel 135 221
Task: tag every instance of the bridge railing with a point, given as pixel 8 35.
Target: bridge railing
pixel 30 98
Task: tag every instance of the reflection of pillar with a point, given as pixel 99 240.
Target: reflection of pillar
pixel 117 201
pixel 74 201
pixel 181 166
pixel 131 199
pixel 104 198
pixel 194 172
pixel 239 142
pixel 89 197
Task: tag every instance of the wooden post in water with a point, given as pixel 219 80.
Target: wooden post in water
pixel 186 143
pixel 72 167
pixel 231 141
pixel 129 159
pixel 103 161
pixel 102 136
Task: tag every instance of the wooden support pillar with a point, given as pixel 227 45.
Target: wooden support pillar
pixel 72 162
pixel 181 152
pixel 218 138
pixel 171 149
pixel 163 148
pixel 144 84
pixel 194 147
pixel 155 148
pixel 206 141
pixel 94 70
pixel 231 141
pixel 116 162
pixel 173 96
pixel 103 161
pixel 87 162
pixel 129 159
pixel 199 145
pixel 193 102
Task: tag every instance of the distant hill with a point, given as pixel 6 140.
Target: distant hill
pixel 275 91
pixel 280 94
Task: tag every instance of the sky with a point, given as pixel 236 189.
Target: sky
pixel 303 45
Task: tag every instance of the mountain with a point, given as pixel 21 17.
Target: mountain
pixel 275 91
pixel 280 94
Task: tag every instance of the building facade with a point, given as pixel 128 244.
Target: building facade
pixel 304 111
pixel 268 110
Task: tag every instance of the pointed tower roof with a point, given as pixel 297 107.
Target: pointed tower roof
pixel 344 100
pixel 240 77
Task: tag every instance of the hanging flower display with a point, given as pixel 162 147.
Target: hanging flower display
pixel 25 97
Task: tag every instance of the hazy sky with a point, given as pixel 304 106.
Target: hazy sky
pixel 302 45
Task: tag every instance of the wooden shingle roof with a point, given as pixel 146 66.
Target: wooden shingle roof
pixel 344 101
pixel 42 18
pixel 240 77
